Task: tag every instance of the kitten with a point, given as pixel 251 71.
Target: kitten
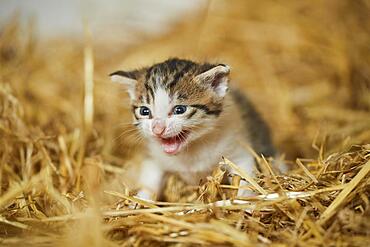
pixel 190 120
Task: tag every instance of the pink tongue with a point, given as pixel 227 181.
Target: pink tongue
pixel 171 145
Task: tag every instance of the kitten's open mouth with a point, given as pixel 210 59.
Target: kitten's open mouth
pixel 172 145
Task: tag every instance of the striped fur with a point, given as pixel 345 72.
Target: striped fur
pixel 176 77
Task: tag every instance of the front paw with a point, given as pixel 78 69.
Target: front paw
pixel 245 192
pixel 145 195
pixel 142 199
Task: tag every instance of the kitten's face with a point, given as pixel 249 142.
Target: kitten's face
pixel 175 102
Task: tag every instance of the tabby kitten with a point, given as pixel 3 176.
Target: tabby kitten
pixel 190 120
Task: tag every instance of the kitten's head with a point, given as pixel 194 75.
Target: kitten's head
pixel 175 102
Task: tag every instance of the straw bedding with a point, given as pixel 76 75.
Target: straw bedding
pixel 66 148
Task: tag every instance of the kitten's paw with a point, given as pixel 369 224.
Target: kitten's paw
pixel 244 192
pixel 141 197
pixel 133 205
pixel 145 196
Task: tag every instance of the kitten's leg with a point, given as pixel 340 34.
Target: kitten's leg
pixel 150 180
pixel 246 163
pixel 280 165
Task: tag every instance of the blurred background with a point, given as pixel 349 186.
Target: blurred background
pixel 305 66
pixel 109 19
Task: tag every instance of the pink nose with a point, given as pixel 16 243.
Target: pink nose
pixel 158 127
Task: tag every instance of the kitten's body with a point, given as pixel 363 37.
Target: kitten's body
pixel 230 131
pixel 215 123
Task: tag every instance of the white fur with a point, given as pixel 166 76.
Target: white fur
pixel 205 156
pixel 246 164
pixel 221 88
pixel 162 104
pixel 150 179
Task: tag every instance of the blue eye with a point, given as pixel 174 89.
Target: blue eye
pixel 179 109
pixel 144 111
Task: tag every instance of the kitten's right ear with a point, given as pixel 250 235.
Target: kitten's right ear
pixel 128 79
pixel 216 78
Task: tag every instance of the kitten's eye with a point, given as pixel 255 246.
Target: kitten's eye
pixel 179 109
pixel 144 111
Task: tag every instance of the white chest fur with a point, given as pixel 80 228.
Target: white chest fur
pixel 204 157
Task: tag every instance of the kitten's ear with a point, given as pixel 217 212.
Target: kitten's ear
pixel 128 79
pixel 217 78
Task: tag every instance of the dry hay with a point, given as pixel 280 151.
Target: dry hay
pixel 62 171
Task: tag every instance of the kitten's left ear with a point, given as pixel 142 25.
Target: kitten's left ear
pixel 217 78
pixel 128 79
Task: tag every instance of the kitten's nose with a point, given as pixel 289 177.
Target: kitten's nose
pixel 158 127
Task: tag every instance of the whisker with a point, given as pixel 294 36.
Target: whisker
pixel 126 132
pixel 124 124
pixel 136 138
